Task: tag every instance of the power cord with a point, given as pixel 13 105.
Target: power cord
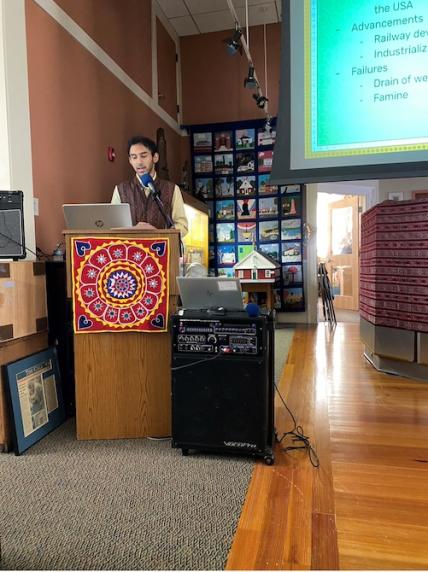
pixel 39 252
pixel 196 362
pixel 297 436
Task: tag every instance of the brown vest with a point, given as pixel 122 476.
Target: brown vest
pixel 145 209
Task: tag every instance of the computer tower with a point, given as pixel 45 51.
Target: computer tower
pixel 12 236
pixel 222 383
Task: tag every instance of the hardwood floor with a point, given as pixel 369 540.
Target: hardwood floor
pixel 366 506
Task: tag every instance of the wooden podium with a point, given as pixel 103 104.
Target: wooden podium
pixel 123 379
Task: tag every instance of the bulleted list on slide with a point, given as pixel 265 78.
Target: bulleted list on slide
pixel 372 62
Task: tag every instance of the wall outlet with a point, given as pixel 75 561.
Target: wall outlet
pixel 36 206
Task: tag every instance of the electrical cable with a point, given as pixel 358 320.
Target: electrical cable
pixel 246 24
pixel 265 54
pixel 39 252
pixel 297 436
pixel 196 362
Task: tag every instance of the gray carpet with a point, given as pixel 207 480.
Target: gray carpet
pixel 125 505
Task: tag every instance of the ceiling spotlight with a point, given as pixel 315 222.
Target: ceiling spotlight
pixel 234 43
pixel 261 100
pixel 250 81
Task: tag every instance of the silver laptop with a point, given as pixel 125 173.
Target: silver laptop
pixel 97 215
pixel 210 293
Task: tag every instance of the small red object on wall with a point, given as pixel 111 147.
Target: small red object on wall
pixel 111 153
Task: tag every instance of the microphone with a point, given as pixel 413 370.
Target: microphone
pixel 147 181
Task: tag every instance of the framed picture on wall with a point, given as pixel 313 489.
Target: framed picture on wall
pixel 268 207
pixel 245 186
pixel 225 210
pixel 289 189
pixel 397 196
pixel 226 232
pixel 420 194
pixel 204 188
pixel 268 231
pixel 203 142
pixel 293 299
pixel 246 209
pixel 290 206
pixel 265 188
pixel 291 229
pixel 223 141
pixel 224 187
pixel 244 250
pixel 266 137
pixel 291 252
pixel 271 250
pixel 226 255
pixel 292 274
pixel 245 139
pixel 265 161
pixel 203 164
pixel 223 163
pixel 245 162
pixel 247 232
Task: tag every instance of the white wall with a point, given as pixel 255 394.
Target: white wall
pixel 15 137
pixel 405 185
pixel 4 140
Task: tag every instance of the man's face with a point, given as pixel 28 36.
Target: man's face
pixel 142 160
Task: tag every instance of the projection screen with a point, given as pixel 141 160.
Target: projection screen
pixel 353 91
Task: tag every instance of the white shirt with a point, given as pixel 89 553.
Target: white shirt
pixel 177 208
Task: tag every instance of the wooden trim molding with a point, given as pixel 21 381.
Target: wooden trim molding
pixel 64 20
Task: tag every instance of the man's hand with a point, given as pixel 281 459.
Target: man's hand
pixel 144 226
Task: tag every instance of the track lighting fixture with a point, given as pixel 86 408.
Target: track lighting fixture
pixel 261 100
pixel 241 42
pixel 250 81
pixel 234 43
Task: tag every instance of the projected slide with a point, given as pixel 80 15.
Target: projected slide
pixel 374 56
pixel 354 91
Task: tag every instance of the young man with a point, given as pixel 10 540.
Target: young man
pixel 143 156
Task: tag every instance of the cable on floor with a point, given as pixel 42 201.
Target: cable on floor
pixel 297 436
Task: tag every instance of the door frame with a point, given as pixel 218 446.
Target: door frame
pixel 369 189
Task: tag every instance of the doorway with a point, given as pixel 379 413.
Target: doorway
pixel 338 247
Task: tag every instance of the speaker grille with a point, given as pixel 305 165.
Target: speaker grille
pixel 226 401
pixel 11 234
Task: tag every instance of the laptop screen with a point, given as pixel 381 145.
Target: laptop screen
pixel 97 215
pixel 210 293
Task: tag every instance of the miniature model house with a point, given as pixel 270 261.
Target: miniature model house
pixel 257 267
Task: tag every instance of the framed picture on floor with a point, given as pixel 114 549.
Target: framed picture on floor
pixel 37 405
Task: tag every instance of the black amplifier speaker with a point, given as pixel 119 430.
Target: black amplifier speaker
pixel 12 237
pixel 223 383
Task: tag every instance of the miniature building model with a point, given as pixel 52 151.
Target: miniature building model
pixel 257 267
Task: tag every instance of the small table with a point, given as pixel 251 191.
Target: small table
pixel 266 287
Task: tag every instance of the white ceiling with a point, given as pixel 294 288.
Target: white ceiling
pixel 189 17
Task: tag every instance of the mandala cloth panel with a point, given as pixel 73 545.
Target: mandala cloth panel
pixel 120 285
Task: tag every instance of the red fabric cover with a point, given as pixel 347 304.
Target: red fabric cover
pixel 120 284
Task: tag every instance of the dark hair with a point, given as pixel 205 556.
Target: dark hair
pixel 141 140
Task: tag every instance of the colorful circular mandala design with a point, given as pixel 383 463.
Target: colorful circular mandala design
pixel 120 285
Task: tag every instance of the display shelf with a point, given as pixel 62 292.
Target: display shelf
pixel 196 240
